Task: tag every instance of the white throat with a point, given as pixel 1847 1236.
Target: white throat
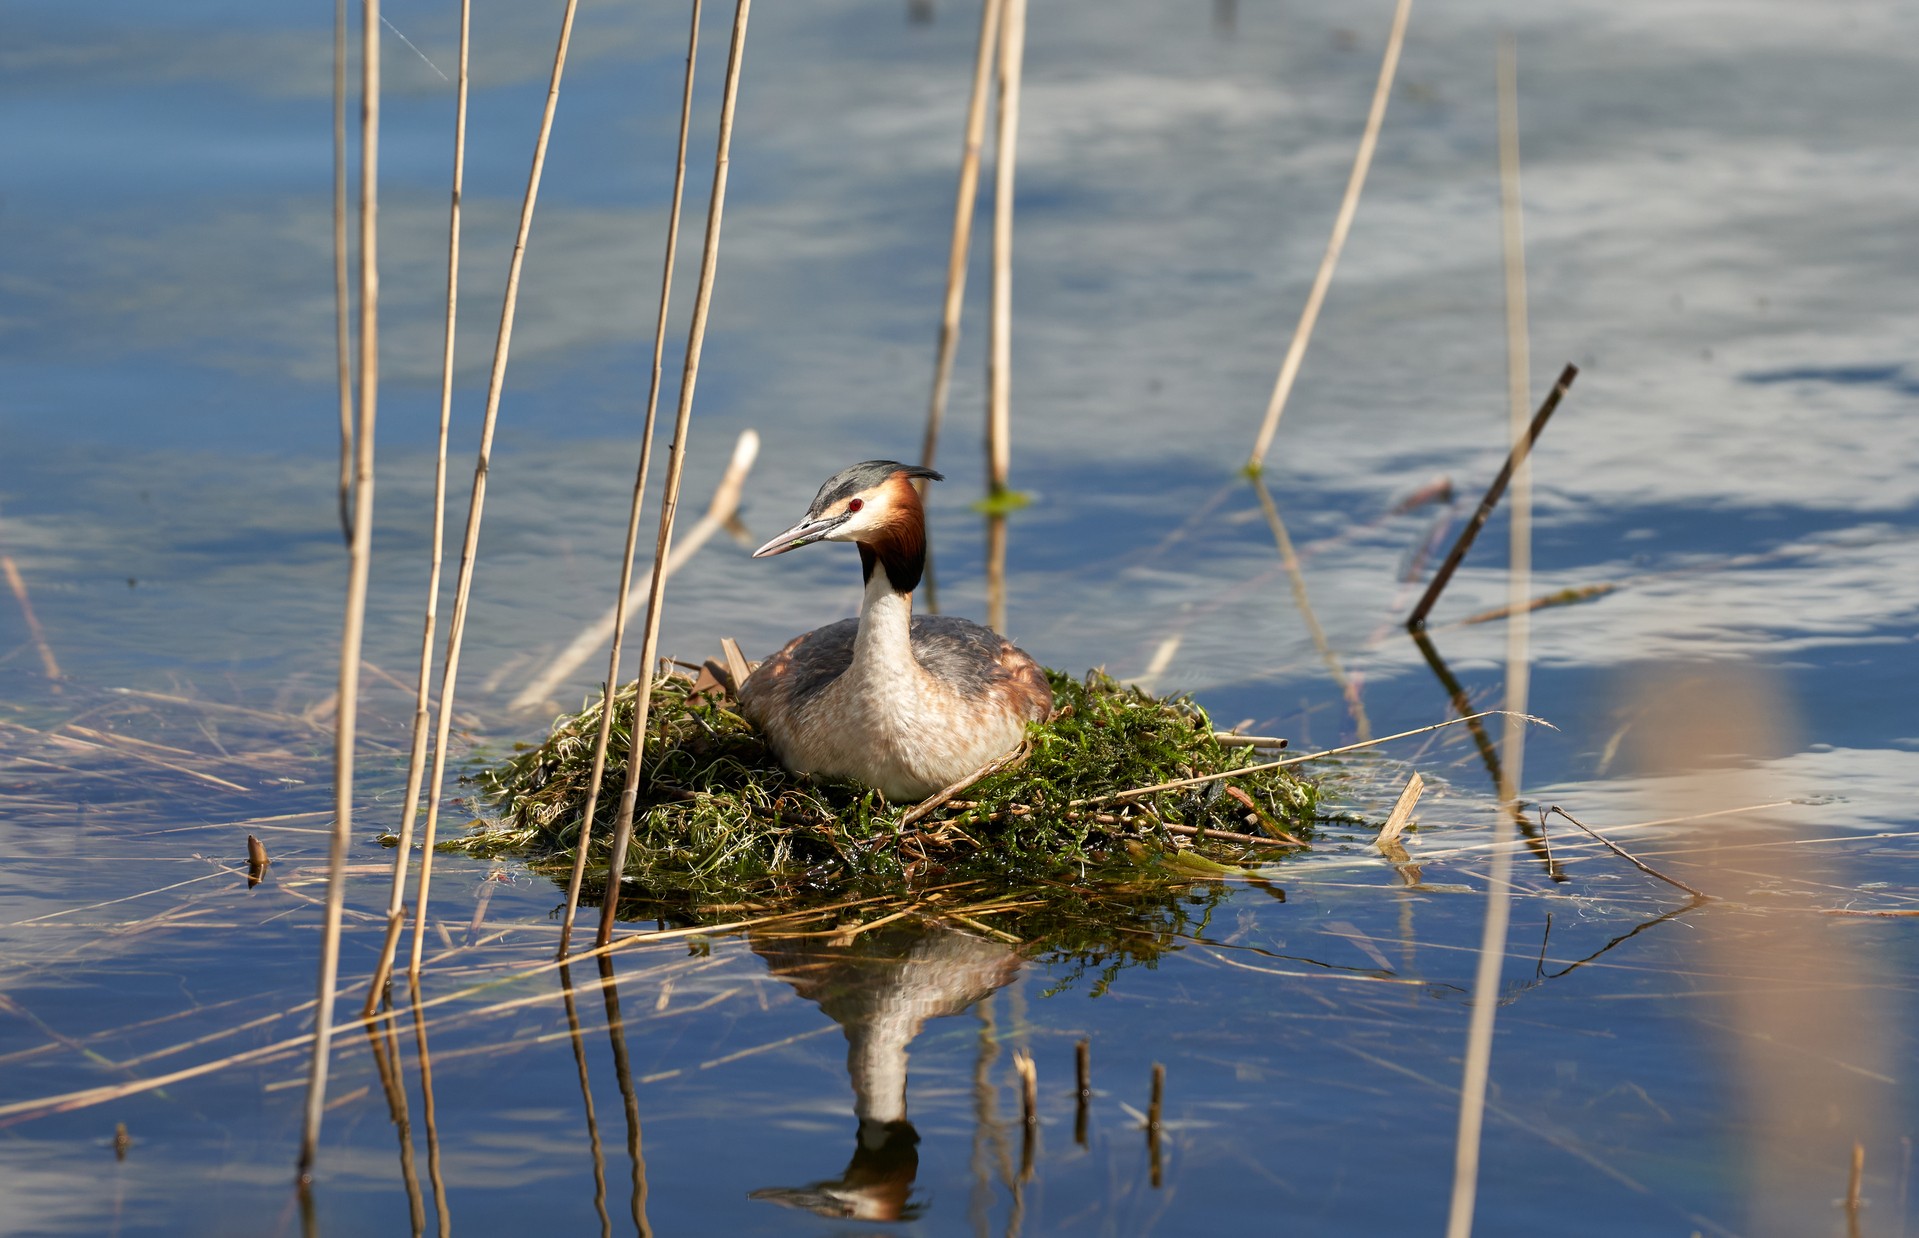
pixel 885 641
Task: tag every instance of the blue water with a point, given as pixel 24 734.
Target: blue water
pixel 1717 201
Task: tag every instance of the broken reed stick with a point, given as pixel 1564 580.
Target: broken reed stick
pixel 675 462
pixel 341 328
pixel 1402 814
pixel 1082 1089
pixel 359 559
pixel 1492 941
pixel 48 664
pixel 1626 855
pixel 257 861
pixel 1028 1087
pixel 476 506
pixel 422 703
pixel 999 353
pixel 1282 764
pixel 1227 739
pixel 1519 452
pixel 1342 224
pixel 726 500
pixel 965 200
pixel 1153 1120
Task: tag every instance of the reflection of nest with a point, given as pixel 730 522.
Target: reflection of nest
pixel 881 988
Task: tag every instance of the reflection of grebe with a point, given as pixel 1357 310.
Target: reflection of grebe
pixel 905 703
pixel 881 989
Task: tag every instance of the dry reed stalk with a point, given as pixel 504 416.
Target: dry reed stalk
pixel 1521 450
pixel 675 463
pixel 726 500
pixel 1229 739
pixel 615 623
pixel 1626 855
pixel 1282 764
pixel 1492 942
pixel 341 330
pixel 416 759
pixel 1519 399
pixel 1402 814
pixel 999 355
pixel 940 797
pixel 963 207
pixel 1342 224
pixel 359 560
pixel 469 549
pixel 48 663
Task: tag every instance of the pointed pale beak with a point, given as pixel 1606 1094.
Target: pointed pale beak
pixel 805 532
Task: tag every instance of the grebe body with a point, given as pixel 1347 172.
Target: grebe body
pixel 905 703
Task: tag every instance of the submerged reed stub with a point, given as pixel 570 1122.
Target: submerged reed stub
pixel 717 812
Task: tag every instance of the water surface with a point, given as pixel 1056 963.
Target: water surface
pixel 1717 200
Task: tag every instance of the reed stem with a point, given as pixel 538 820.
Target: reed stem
pixel 342 334
pixel 1492 942
pixel 620 600
pixel 1342 224
pixel 423 701
pixel 999 357
pixel 964 204
pixel 359 558
pixel 676 461
pixel 476 508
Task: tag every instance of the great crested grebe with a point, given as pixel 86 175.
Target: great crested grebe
pixel 902 702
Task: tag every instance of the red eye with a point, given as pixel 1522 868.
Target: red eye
pixel 853 505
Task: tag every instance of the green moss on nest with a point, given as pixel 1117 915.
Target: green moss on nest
pixel 717 815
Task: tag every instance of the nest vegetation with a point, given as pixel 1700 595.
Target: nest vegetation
pixel 718 816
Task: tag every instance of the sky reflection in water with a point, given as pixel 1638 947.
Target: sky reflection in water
pixel 1718 205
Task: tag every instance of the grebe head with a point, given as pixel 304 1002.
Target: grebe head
pixel 876 505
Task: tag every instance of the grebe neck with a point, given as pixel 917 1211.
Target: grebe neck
pixel 885 641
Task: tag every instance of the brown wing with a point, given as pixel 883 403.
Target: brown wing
pixel 808 663
pixel 979 662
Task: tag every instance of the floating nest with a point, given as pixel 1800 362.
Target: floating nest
pixel 717 816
